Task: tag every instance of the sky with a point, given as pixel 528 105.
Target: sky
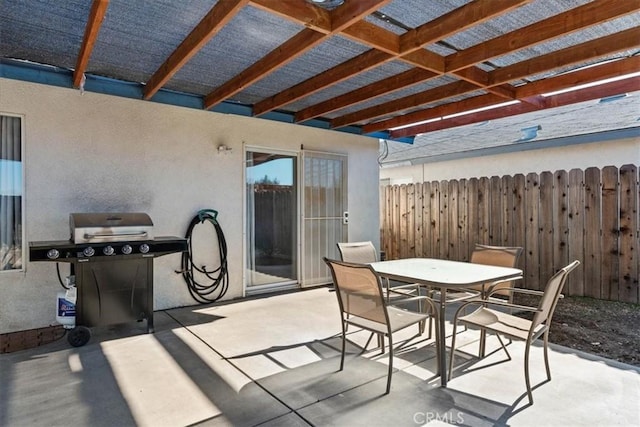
pixel 280 169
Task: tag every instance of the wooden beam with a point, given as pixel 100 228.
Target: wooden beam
pixel 590 14
pixel 342 17
pixel 434 113
pixel 353 11
pixel 600 72
pixel 349 15
pixel 458 20
pixel 617 42
pixel 527 93
pixel 373 36
pixel 94 21
pixel 366 61
pixel 381 87
pixel 623 86
pixel 285 53
pixel 208 27
pixel 300 12
pixel 405 103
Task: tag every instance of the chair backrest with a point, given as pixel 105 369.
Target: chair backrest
pixel 357 252
pixel 552 292
pixel 501 256
pixel 359 290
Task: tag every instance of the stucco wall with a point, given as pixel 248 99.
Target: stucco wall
pixel 581 156
pixel 92 152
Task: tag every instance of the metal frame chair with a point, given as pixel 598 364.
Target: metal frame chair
pixel 501 323
pixel 367 308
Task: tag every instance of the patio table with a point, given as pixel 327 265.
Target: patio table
pixel 444 275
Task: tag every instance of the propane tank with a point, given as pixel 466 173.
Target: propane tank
pixel 66 308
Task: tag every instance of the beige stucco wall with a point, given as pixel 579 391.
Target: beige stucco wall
pixel 581 156
pixel 93 152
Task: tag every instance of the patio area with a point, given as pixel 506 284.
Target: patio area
pixel 273 361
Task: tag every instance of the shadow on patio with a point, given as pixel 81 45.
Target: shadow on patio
pixel 274 361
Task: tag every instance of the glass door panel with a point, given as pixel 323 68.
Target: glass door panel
pixel 271 223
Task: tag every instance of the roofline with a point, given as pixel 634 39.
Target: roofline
pixel 609 135
pixel 60 77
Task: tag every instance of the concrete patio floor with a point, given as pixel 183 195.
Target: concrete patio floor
pixel 273 361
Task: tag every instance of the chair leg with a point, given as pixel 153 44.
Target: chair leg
pixel 526 372
pixel 453 350
pixel 546 354
pixel 344 344
pixel 390 365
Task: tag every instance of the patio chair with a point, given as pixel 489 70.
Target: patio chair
pixel 509 325
pixel 500 256
pixel 364 253
pixel 367 308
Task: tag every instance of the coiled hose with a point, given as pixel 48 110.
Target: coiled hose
pixel 217 280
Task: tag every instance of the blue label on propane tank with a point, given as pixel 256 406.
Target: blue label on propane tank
pixel 66 308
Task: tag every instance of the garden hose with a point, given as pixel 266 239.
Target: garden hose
pixel 216 281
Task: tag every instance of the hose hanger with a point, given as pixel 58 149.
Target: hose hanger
pixel 206 285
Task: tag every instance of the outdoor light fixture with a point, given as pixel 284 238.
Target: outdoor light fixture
pixel 326 4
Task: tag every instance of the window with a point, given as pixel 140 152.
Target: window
pixel 11 257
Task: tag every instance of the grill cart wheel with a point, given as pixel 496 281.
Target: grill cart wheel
pixel 79 336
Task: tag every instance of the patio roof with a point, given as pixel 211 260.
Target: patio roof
pixel 375 67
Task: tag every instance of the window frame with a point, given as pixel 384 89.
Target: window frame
pixel 23 233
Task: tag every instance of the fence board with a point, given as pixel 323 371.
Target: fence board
pixel 532 235
pixel 592 238
pixel 453 248
pixel 435 219
pixel 575 282
pixel 404 242
pixel 411 221
pixel 519 217
pixel 506 203
pixel 629 236
pixel 463 226
pixel 419 220
pixel 610 230
pixel 472 212
pixel 495 211
pixel 443 247
pixel 484 207
pixel 426 219
pixel 545 216
pixel 560 220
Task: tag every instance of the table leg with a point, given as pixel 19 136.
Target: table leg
pixel 442 352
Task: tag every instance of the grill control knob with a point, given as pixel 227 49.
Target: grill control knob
pixel 108 250
pixel 88 251
pixel 144 248
pixel 53 253
pixel 127 249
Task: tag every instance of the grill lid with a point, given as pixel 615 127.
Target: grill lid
pixel 110 227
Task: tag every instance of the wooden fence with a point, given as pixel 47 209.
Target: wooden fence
pixel 591 215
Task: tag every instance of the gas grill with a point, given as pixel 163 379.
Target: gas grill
pixel 111 257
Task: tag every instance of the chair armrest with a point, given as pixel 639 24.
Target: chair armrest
pixel 492 285
pixel 518 290
pixel 484 303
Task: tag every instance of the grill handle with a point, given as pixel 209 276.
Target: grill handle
pixel 100 235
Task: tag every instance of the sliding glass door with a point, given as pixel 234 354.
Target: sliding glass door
pixel 271 220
